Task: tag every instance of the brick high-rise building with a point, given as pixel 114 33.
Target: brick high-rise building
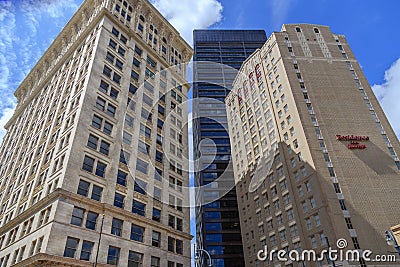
pixel 84 179
pixel 313 153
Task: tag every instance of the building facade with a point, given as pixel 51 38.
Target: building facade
pixel 315 159
pixel 83 171
pixel 218 55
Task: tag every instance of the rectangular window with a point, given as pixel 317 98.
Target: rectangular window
pixel 107 71
pixel 156 239
pixel 119 200
pixel 100 169
pixel 121 178
pixel 155 262
pixel 113 255
pixel 129 120
pixel 140 186
pixel 70 247
pixel 156 215
pixel 104 148
pixel 86 250
pixel 83 188
pixel 107 128
pixel 135 75
pixel 137 233
pixel 132 89
pixel 97 192
pixel 171 244
pixel 91 220
pixel 92 141
pixel 127 138
pixel 139 208
pixel 141 166
pixel 117 78
pixel 88 164
pixel 116 227
pixel 111 110
pixel 135 259
pixel 77 216
pixel 97 121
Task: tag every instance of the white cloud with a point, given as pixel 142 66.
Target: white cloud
pixel 388 95
pixel 187 15
pixel 7 114
pixel 7 54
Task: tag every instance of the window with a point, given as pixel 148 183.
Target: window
pixel 318 221
pixel 159 156
pixel 77 216
pixel 113 255
pixel 138 208
pixel 171 244
pixel 97 192
pixel 135 259
pixel 83 188
pixel 156 215
pixel 349 223
pixel 107 71
pixel 308 186
pixel 88 164
pixel 155 262
pixel 129 120
pixel 136 62
pixel 116 227
pixel 171 221
pixel 305 206
pixel 100 169
pixel 140 186
pixel 309 224
pixel 86 250
pixel 179 246
pixel 157 194
pixel 179 224
pixel 121 178
pixel 119 200
pixel 70 247
pixel 92 141
pixel 155 239
pixel 91 220
pixel 137 233
pixel 104 148
pixel 141 166
pixel 342 204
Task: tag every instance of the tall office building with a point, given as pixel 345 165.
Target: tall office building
pixel 314 155
pixel 218 56
pixel 84 179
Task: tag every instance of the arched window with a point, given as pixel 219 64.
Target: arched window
pixel 298 29
pixel 316 30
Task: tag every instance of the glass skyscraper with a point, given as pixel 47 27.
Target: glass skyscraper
pixel 218 55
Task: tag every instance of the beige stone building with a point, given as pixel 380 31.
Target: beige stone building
pixel 313 153
pixel 84 174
